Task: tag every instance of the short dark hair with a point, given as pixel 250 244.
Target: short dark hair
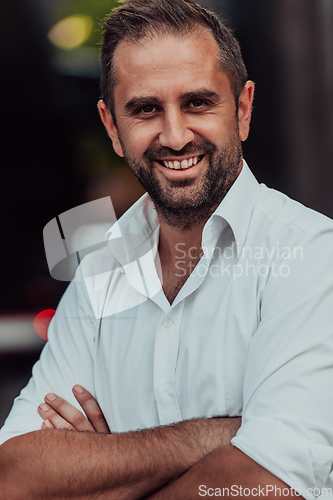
pixel 135 19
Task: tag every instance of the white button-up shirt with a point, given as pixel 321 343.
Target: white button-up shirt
pixel 250 333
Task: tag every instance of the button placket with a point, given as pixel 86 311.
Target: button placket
pixel 166 355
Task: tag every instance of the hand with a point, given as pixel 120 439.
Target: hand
pixel 59 414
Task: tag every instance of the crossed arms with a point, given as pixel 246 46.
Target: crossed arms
pixel 162 463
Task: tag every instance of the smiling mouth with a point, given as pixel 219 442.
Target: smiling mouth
pixel 181 165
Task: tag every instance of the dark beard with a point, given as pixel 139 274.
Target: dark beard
pixel 179 203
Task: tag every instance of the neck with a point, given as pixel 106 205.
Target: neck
pixel 180 244
pixel 179 253
pixel 172 238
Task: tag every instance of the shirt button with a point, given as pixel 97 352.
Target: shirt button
pixel 165 387
pixel 167 323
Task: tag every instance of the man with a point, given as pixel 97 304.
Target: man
pixel 233 319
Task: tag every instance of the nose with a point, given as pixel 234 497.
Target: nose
pixel 175 133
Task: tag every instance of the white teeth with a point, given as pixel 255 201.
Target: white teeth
pixel 176 165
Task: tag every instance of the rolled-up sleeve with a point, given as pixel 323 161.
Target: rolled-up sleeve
pixel 287 424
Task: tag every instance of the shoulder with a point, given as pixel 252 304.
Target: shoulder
pixel 286 215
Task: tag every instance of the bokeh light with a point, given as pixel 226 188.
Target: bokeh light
pixel 42 321
pixel 71 32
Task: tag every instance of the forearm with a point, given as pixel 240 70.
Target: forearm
pixel 66 464
pixel 224 472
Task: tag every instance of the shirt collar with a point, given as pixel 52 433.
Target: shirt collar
pixel 135 233
pixel 138 227
pixel 237 206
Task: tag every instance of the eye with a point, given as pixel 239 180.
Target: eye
pixel 147 110
pixel 197 103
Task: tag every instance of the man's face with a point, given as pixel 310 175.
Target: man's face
pixel 177 125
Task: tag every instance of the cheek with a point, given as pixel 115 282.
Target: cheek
pixel 214 135
pixel 216 129
pixel 140 137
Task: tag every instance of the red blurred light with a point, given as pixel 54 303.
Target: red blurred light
pixel 42 321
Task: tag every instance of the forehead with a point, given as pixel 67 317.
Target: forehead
pixel 167 62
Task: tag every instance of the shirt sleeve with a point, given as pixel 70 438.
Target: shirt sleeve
pixel 66 360
pixel 287 422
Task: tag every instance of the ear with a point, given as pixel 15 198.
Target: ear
pixel 110 126
pixel 245 109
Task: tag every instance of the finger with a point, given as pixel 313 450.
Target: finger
pixel 67 412
pixel 47 425
pixel 91 409
pixel 52 419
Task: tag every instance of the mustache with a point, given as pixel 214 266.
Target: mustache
pixel 190 149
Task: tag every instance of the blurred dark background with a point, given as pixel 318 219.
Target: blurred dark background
pixel 55 154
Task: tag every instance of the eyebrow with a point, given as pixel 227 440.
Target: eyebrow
pixel 138 102
pixel 201 93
